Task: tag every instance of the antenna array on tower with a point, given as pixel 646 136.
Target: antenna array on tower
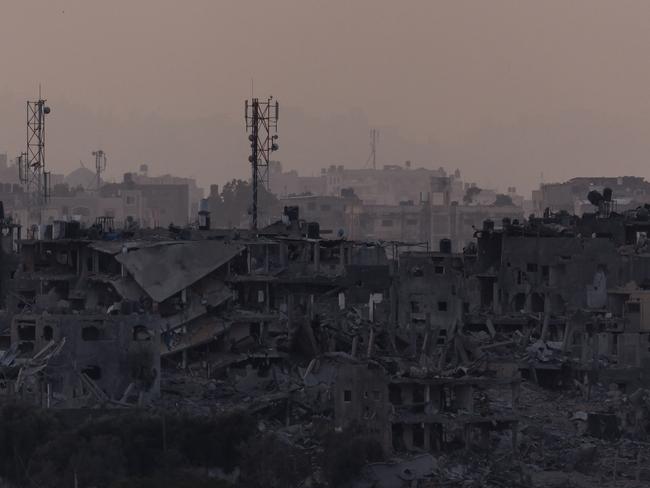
pixel 262 123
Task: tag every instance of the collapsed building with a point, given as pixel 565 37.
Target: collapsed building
pixel 426 351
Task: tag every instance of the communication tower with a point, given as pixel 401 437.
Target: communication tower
pixel 31 164
pixel 372 157
pixel 100 165
pixel 262 123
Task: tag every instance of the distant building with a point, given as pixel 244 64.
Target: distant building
pixel 285 184
pixel 153 204
pixel 387 186
pixel 628 192
pixel 407 222
pixel 329 211
pixel 82 177
pixel 194 192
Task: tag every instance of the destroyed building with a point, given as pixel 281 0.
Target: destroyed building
pixel 426 351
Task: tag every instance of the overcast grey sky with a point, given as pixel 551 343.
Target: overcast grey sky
pixel 504 90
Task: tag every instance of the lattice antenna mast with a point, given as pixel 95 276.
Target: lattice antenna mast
pixel 262 123
pixel 31 165
pixel 100 165
pixel 372 157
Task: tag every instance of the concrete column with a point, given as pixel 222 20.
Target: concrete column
pixel 267 298
pixel 496 304
pixel 95 261
pixel 317 256
pixel 485 437
pixel 516 389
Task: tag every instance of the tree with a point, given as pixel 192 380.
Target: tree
pixel 503 201
pixel 234 203
pixel 471 192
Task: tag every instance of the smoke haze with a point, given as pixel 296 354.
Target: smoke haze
pixel 503 90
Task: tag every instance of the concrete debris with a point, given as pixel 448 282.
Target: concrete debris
pixel 522 361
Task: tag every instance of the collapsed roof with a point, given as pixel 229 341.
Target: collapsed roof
pixel 168 268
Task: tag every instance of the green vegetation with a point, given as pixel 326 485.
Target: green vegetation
pixel 233 204
pixel 40 448
pixel 346 453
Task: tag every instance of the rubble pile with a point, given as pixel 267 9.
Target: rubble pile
pixel 523 361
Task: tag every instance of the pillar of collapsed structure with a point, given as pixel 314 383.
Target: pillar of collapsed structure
pixel 283 252
pixel 485 437
pixel 96 261
pixel 267 298
pixel 516 392
pixel 547 317
pixel 317 256
pixel 290 312
pixel 496 303
pixel 427 437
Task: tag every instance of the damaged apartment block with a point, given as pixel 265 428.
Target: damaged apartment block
pixel 432 353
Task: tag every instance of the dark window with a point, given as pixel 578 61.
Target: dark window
pixel 141 333
pixel 93 372
pixel 442 337
pixel 415 307
pixel 531 267
pixel 27 332
pixel 347 395
pixel 311 206
pixel 387 223
pixel 439 270
pixel 326 207
pixel 418 435
pixel 376 394
pixel 520 302
pixel 411 222
pixel 633 307
pixel 91 333
pixel 48 333
pixel 417 271
pixel 537 303
pixel 395 394
pixel 418 394
pixel 442 306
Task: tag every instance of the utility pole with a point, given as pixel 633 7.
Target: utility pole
pixel 262 123
pixel 374 137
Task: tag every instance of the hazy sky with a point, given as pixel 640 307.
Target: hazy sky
pixel 503 90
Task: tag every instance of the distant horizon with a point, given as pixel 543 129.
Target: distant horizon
pixel 503 90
